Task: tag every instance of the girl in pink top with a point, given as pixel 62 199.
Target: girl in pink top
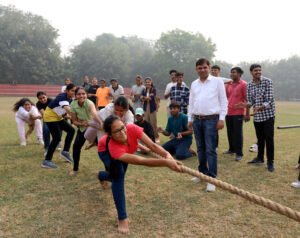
pixel 116 150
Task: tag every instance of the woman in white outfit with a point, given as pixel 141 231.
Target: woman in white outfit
pixel 119 108
pixel 27 113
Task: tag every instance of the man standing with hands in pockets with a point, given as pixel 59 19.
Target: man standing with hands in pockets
pixel 206 115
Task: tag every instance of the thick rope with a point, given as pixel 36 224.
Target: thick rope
pixel 276 207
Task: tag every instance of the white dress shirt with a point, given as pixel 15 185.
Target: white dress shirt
pixel 207 98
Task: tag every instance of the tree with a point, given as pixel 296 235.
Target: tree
pixel 28 49
pixel 180 50
pixel 105 57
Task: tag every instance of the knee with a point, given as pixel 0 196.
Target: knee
pixel 181 156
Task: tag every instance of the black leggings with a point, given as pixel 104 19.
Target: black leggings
pixel 56 129
pixel 78 143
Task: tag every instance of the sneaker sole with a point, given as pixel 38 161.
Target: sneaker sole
pixel 66 159
pixel 47 167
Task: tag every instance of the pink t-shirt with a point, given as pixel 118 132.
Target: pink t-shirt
pixel 134 133
pixel 236 93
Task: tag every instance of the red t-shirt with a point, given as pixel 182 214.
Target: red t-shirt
pixel 134 133
pixel 236 93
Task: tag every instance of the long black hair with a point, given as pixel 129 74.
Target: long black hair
pixel 108 122
pixel 21 103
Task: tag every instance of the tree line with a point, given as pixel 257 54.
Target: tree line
pixel 30 54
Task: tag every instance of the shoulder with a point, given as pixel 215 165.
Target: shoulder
pixel 265 79
pixel 88 102
pixel 133 129
pixel 61 96
pixel 196 81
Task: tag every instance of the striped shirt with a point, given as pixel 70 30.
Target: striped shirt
pixel 261 94
pixel 180 94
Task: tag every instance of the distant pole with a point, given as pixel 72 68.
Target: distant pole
pixel 288 127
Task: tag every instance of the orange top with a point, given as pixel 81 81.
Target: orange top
pixel 102 95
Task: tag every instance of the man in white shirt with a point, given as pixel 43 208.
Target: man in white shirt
pixel 115 89
pixel 206 115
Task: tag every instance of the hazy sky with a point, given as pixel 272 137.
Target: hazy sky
pixel 243 30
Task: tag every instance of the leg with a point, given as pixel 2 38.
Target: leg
pixel 38 129
pixel 237 134
pixel 259 129
pixel 65 126
pixel 55 131
pixel 269 137
pixel 199 136
pixel 78 143
pixel 46 136
pixel 170 146
pixel 182 148
pixel 21 130
pixel 229 126
pixel 153 122
pixel 210 135
pixel 118 191
pixel 104 175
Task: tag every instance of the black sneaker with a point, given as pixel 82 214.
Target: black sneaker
pixel 256 161
pixel 271 167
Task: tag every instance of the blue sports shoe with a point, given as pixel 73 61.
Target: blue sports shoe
pixel 48 164
pixel 66 156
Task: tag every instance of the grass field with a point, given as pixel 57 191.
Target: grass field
pixel 36 202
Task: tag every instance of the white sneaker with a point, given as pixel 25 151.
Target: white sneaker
pixel 40 141
pixel 23 143
pixel 295 184
pixel 253 148
pixel 59 146
pixel 196 180
pixel 210 187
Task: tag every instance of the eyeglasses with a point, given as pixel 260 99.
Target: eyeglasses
pixel 118 131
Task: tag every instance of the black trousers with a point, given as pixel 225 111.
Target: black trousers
pixel 56 129
pixel 78 143
pixel 234 126
pixel 265 136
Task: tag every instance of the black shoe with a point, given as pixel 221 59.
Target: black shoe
pixel 228 152
pixel 256 161
pixel 271 167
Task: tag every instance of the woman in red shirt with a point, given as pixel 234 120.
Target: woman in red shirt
pixel 116 150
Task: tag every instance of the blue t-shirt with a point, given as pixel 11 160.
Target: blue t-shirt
pixel 177 124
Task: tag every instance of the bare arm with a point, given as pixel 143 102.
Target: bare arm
pixel 95 115
pixel 151 162
pixel 155 147
pixel 76 121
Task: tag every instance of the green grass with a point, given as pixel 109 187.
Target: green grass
pixel 36 202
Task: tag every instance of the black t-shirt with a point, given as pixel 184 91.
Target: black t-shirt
pixel 92 90
pixel 148 129
pixel 40 105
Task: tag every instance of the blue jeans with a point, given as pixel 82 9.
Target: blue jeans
pixel 117 176
pixel 179 147
pixel 206 135
pixel 46 136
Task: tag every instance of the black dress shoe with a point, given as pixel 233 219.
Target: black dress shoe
pixel 256 161
pixel 271 167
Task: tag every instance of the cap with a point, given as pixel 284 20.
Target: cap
pixel 139 111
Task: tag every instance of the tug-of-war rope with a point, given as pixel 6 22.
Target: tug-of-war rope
pixel 274 206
